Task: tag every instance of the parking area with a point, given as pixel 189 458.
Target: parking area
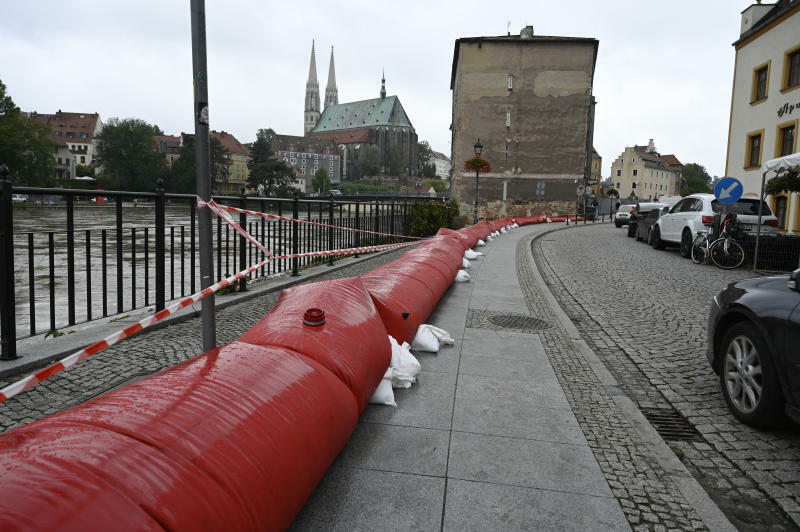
pixel 644 313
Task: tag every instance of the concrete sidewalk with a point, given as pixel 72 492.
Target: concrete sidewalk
pixel 486 440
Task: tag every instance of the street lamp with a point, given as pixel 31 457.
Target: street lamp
pixel 478 149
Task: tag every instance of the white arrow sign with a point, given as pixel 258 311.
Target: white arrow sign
pixel 726 192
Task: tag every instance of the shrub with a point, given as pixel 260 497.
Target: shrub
pixel 427 217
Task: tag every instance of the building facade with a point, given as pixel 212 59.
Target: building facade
pixel 528 98
pixel 168 146
pixel 311 112
pixel 238 157
pixel 442 163
pixel 641 172
pixel 596 172
pixel 765 100
pixel 307 155
pixel 75 137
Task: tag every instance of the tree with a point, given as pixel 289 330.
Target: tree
pixel 368 162
pixel 157 130
pixel 429 170
pixel 785 182
pixel 129 155
pixel 274 176
pixel 321 182
pixel 438 185
pixel 183 174
pixel 395 161
pixel 25 146
pixel 83 170
pixel 697 178
pixel 425 159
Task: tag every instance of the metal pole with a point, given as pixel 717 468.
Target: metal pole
pixel 330 229
pixel 758 227
pixel 475 215
pixel 203 161
pixel 296 216
pixel 8 331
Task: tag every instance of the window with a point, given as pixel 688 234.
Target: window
pixel 752 154
pixel 540 188
pixel 633 185
pixel 83 159
pixel 84 135
pixel 510 82
pixel 785 139
pixel 619 173
pixel 780 211
pixel 791 69
pixel 618 184
pixel 758 92
pixel 508 117
pixel 635 171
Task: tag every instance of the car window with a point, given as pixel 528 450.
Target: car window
pixel 743 206
pixel 678 206
pixel 698 205
pixel 653 215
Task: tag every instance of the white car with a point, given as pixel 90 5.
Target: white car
pixel 696 211
pixel 623 215
pixel 19 198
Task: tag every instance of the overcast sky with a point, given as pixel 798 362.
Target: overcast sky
pixel 664 68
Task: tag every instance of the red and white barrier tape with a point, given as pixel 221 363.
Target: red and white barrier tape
pixel 202 203
pixel 32 380
pixel 219 211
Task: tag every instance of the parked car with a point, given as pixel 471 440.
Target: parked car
pixel 646 223
pixel 19 198
pixel 753 334
pixel 696 211
pixel 639 212
pixel 334 192
pixel 623 215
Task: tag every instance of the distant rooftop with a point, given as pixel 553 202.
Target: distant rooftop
pixel 366 113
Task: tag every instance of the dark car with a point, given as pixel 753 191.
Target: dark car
pixel 639 212
pixel 754 347
pixel 644 224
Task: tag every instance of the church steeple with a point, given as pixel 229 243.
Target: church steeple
pixel 311 114
pixel 331 91
pixel 383 85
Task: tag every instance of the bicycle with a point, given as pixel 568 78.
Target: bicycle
pixel 725 252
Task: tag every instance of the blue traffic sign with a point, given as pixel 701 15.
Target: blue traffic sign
pixel 728 190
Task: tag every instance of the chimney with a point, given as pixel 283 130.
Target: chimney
pixel 752 15
pixel 526 32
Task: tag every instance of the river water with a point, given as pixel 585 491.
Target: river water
pixel 96 288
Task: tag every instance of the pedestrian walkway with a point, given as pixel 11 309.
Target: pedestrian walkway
pixel 486 440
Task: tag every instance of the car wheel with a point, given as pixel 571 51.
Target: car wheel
pixel 686 244
pixel 649 237
pixel 618 224
pixel 656 241
pixel 638 237
pixel 748 378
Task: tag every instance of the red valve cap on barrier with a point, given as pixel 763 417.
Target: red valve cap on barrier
pixel 235 439
pixel 353 343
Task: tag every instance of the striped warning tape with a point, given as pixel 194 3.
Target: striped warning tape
pixel 202 203
pixel 32 380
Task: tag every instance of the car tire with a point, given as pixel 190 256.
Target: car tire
pixel 686 244
pixel 649 239
pixel 745 365
pixel 618 224
pixel 638 237
pixel 655 240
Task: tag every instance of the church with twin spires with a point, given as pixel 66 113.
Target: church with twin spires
pixel 374 137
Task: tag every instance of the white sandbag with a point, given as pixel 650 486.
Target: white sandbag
pixel 405 366
pixel 503 230
pixel 430 338
pixel 464 263
pixel 549 220
pixel 384 395
pixel 480 244
pixel 461 276
pixel 472 255
pixel 489 238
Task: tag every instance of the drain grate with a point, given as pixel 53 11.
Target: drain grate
pixel 671 425
pixel 519 321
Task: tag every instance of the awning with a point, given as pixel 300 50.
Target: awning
pixel 782 163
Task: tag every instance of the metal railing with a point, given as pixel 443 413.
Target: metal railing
pixel 142 250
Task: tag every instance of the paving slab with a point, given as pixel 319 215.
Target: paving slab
pixel 428 404
pixel 501 392
pixel 480 506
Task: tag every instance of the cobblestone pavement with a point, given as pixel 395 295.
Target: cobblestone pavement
pixel 148 353
pixel 642 487
pixel 644 313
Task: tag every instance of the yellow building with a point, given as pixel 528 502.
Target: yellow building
pixel 597 172
pixel 238 157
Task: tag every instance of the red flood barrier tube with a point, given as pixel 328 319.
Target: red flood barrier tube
pixel 434 279
pixel 235 439
pixel 352 343
pixel 403 302
pixel 465 239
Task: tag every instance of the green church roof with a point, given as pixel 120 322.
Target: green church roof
pixel 366 113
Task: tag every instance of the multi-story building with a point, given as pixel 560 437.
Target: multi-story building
pixel 597 172
pixel 238 157
pixel 528 98
pixel 168 146
pixel 442 163
pixel 641 172
pixel 307 155
pixel 75 137
pixel 765 101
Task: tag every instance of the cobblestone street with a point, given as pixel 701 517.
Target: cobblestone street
pixel 644 312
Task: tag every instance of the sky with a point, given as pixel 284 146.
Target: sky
pixel 664 68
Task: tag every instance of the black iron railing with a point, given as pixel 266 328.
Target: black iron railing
pixel 79 255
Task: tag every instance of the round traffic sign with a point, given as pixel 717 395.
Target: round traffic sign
pixel 728 190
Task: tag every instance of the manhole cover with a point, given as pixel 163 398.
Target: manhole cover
pixel 671 425
pixel 518 321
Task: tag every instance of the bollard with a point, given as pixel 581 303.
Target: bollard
pixel 8 332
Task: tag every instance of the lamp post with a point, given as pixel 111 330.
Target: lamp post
pixel 478 149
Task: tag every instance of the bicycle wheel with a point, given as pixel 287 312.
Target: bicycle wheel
pixel 699 249
pixel 726 253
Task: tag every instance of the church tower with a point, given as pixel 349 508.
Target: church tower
pixel 311 114
pixel 331 92
pixel 383 86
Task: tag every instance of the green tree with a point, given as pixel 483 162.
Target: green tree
pixel 266 171
pixel 157 130
pixel 786 182
pixel 321 182
pixel 368 162
pixel 129 155
pixel 429 170
pixel 697 178
pixel 83 170
pixel 395 161
pixel 183 174
pixel 438 185
pixel 25 146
